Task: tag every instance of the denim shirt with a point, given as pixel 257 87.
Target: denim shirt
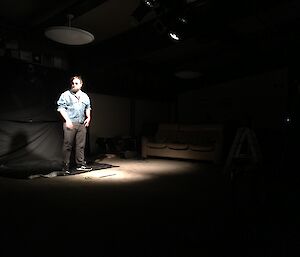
pixel 75 105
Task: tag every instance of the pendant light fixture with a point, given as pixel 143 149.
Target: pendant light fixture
pixel 69 35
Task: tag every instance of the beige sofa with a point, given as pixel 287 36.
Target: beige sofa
pixel 185 141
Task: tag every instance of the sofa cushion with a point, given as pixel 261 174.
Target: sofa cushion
pixel 175 146
pixel 197 137
pixel 203 147
pixel 156 145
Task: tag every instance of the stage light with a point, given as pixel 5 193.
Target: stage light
pixel 183 20
pixel 174 35
pixel 144 7
pixel 149 3
pixel 178 28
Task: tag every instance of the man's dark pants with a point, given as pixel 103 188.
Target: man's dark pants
pixel 75 137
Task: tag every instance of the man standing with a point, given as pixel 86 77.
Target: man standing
pixel 75 107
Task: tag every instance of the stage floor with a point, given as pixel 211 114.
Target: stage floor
pixel 152 207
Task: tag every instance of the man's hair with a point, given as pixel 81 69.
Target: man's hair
pixel 76 77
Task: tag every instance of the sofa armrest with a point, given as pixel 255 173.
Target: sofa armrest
pixel 145 141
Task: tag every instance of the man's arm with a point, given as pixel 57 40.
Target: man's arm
pixel 88 117
pixel 62 109
pixel 64 114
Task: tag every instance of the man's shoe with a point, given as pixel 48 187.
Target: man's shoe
pixel 65 169
pixel 83 168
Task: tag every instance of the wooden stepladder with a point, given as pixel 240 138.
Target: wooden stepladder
pixel 244 152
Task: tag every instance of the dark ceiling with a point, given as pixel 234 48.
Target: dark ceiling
pixel 222 39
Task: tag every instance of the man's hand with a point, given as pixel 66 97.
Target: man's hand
pixel 69 124
pixel 87 122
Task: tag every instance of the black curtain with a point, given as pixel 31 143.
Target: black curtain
pixel 30 127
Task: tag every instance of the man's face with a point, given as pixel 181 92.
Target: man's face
pixel 76 85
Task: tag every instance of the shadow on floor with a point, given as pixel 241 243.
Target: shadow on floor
pixel 36 170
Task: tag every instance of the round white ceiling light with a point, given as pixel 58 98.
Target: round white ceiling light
pixel 69 35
